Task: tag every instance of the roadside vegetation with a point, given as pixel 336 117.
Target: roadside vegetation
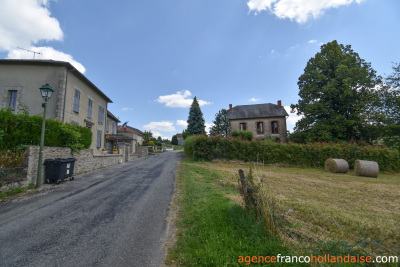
pixel 303 211
pixel 213 227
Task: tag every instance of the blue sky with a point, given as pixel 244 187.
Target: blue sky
pixel 152 57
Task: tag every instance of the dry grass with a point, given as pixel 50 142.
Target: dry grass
pixel 328 207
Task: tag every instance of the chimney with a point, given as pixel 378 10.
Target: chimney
pixel 279 103
pixel 230 107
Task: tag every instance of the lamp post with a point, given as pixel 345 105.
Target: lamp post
pixel 46 91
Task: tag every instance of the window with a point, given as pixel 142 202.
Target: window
pixel 113 127
pixel 242 126
pixel 77 99
pixel 75 123
pixel 12 99
pixel 101 115
pixel 107 124
pixel 260 127
pixel 90 108
pixel 274 127
pixel 99 133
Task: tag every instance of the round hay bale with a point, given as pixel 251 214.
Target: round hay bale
pixel 336 165
pixel 366 168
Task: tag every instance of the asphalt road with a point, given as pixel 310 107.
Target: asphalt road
pixel 110 217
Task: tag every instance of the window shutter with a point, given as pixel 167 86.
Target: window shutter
pixel 77 97
pixel 99 133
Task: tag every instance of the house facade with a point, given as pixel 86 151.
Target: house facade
pixel 111 131
pixel 132 135
pixel 263 120
pixel 75 99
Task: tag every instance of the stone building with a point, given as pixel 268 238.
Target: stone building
pixel 263 120
pixel 75 99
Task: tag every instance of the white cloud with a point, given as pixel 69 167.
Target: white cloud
pixel 127 108
pixel 23 24
pixel 298 10
pixel 181 123
pixel 45 53
pixel 254 99
pixel 312 41
pixel 292 119
pixel 179 100
pixel 208 126
pixel 162 126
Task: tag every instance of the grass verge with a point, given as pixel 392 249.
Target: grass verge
pixel 213 230
pixel 323 212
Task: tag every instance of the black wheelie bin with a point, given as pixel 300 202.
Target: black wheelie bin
pixel 59 169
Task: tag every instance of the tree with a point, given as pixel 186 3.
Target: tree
pixel 337 98
pixel 195 121
pixel 220 123
pixel 147 136
pixel 174 140
pixel 390 115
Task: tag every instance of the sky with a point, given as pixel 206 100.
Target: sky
pixel 151 58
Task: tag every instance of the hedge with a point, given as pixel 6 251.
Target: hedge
pixel 307 155
pixel 19 130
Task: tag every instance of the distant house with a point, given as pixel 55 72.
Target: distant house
pixel 111 131
pixel 75 99
pixel 130 135
pixel 263 120
pixel 180 139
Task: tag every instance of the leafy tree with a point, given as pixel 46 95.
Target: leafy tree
pixel 390 97
pixel 185 134
pixel 174 140
pixel 337 98
pixel 220 123
pixel 159 139
pixel 147 136
pixel 196 124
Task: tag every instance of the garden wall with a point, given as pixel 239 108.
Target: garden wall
pixel 85 160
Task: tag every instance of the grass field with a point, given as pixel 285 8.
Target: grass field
pixel 213 230
pixel 315 210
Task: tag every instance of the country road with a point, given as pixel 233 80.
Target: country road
pixel 110 217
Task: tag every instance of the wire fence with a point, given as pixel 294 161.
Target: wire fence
pixel 12 175
pixel 315 232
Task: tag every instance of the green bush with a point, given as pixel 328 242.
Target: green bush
pixel 188 146
pixel 307 155
pixel 18 130
pixel 244 135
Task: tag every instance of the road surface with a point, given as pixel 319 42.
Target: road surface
pixel 110 217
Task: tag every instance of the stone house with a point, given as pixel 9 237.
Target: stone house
pixel 131 135
pixel 263 120
pixel 180 139
pixel 111 131
pixel 75 99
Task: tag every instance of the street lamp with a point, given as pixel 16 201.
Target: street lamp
pixel 46 91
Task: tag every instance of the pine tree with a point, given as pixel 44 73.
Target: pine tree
pixel 196 124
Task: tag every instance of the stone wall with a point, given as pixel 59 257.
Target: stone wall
pixel 85 160
pixel 142 151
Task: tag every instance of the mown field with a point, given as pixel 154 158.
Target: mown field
pixel 320 212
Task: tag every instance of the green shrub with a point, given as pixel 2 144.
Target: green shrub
pixel 244 135
pixel 188 146
pixel 307 155
pixel 21 130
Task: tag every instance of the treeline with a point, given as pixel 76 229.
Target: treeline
pixel 305 155
pixel 20 130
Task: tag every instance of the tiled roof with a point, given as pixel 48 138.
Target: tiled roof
pixel 256 111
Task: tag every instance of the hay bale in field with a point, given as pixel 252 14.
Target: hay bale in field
pixel 336 165
pixel 366 168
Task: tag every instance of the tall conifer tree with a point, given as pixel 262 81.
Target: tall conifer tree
pixel 196 124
